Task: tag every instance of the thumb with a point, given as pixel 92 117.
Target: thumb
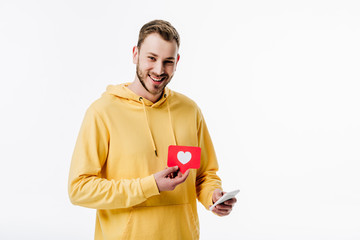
pixel 217 194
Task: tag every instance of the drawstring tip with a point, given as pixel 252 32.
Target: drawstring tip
pixel 156 153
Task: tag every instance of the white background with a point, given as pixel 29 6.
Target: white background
pixel 277 81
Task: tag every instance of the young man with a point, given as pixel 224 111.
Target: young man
pixel 120 158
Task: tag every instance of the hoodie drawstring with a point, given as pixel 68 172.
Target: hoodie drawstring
pixel 147 122
pixel 172 130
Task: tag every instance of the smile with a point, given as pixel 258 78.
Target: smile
pixel 156 79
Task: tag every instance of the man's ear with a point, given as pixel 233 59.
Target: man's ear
pixel 177 60
pixel 135 55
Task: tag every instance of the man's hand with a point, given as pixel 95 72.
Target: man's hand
pixel 169 178
pixel 224 208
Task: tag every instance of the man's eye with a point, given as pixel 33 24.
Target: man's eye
pixel 169 62
pixel 152 58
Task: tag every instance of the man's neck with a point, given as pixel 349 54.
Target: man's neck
pixel 138 89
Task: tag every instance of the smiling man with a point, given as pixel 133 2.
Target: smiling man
pixel 120 157
pixel 155 64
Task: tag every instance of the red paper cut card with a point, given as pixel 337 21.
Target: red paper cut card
pixel 184 156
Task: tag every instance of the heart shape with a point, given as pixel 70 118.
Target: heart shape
pixel 184 157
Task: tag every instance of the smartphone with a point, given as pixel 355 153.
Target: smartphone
pixel 225 197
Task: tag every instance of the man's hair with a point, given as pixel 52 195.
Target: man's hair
pixel 161 27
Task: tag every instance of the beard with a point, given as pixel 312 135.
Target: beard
pixel 157 88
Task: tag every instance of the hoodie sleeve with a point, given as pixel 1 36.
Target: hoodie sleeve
pixel 86 186
pixel 207 180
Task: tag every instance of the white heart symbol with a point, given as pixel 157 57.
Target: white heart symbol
pixel 184 157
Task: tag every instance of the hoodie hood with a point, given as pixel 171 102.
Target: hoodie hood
pixel 122 91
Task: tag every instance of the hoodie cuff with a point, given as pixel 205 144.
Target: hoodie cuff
pixel 209 200
pixel 149 186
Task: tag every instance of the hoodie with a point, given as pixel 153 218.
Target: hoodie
pixel 122 142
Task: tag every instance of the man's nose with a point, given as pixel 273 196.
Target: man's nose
pixel 158 68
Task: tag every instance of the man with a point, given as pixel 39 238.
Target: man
pixel 120 158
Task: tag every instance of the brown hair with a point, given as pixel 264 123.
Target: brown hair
pixel 161 27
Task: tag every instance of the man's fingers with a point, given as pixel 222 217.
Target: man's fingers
pixel 231 201
pixel 169 178
pixel 218 193
pixel 181 178
pixel 221 212
pixel 169 170
pixel 186 174
pixel 223 209
pixel 223 206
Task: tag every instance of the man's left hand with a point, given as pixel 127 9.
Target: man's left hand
pixel 224 208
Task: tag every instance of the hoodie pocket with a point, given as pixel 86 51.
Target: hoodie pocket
pixel 162 222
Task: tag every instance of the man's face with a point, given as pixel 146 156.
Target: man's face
pixel 155 63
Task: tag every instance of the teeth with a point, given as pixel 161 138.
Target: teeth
pixel 156 79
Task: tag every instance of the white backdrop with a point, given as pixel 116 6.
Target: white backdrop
pixel 277 81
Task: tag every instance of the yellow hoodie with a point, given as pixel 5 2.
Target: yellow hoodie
pixel 122 142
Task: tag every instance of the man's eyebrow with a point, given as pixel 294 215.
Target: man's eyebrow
pixel 155 55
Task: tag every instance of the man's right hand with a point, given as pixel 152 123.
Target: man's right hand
pixel 166 183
